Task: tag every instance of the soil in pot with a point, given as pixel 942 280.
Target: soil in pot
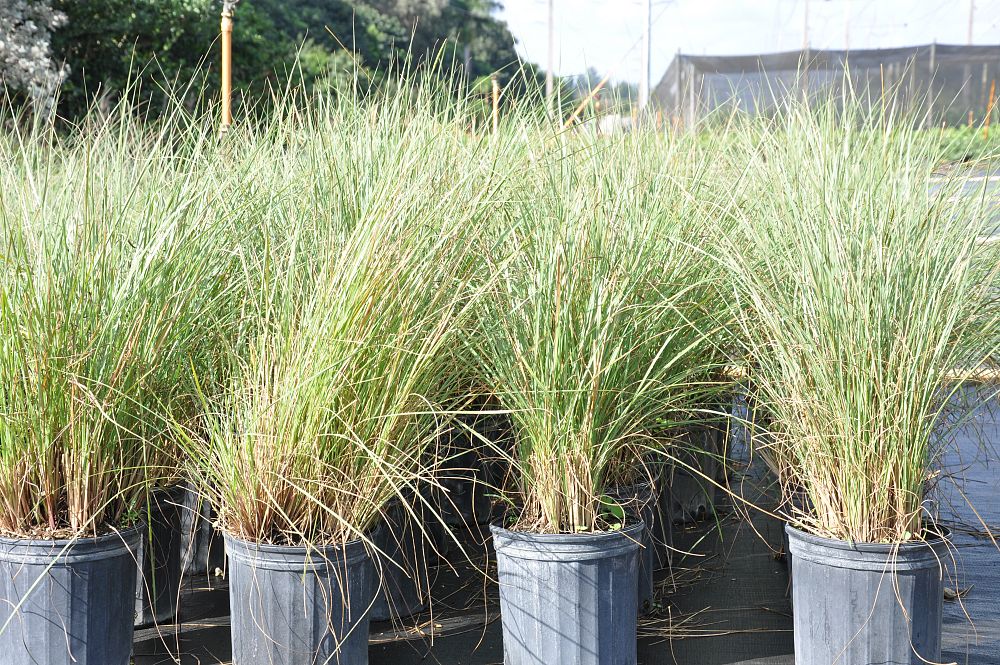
pixel 568 598
pixel 867 604
pixel 68 602
pixel 294 605
pixel 159 557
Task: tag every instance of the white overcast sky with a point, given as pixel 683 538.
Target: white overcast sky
pixel 604 34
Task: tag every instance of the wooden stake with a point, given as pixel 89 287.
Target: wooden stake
pixel 583 104
pixel 495 86
pixel 227 69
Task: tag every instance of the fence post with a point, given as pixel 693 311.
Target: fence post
pixel 932 63
pixel 989 109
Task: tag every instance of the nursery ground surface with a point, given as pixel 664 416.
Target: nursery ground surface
pixel 724 602
pixel 980 183
pixel 969 498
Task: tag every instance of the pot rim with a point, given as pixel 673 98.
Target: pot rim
pixel 306 551
pixel 943 537
pixel 121 535
pixel 568 538
pixel 566 547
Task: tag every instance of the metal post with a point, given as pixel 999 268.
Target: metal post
pixel 644 75
pixel 549 77
pixel 847 26
pixel 678 109
pixel 693 100
pixel 805 28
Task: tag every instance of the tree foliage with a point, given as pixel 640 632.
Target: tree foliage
pixel 26 63
pixel 115 45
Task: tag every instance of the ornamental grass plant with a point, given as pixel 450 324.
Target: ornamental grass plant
pixel 864 299
pixel 595 327
pixel 352 298
pixel 104 244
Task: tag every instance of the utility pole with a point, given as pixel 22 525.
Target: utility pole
pixel 972 18
pixel 805 28
pixel 647 47
pixel 847 25
pixel 549 77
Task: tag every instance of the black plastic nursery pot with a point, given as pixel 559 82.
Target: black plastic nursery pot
pixel 867 604
pixel 297 605
pixel 473 469
pixel 159 556
pixel 690 482
pixel 663 532
pixel 463 496
pixel 202 550
pixel 568 598
pixel 799 504
pixel 692 497
pixel 640 500
pixel 68 602
pixel 402 581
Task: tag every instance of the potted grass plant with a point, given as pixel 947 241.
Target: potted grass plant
pixel 865 299
pixel 589 335
pixel 329 425
pixel 97 291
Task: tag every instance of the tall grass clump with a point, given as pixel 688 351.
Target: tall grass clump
pixel 859 291
pixel 104 255
pixel 355 294
pixel 592 331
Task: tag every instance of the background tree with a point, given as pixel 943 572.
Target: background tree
pixel 26 63
pixel 145 46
